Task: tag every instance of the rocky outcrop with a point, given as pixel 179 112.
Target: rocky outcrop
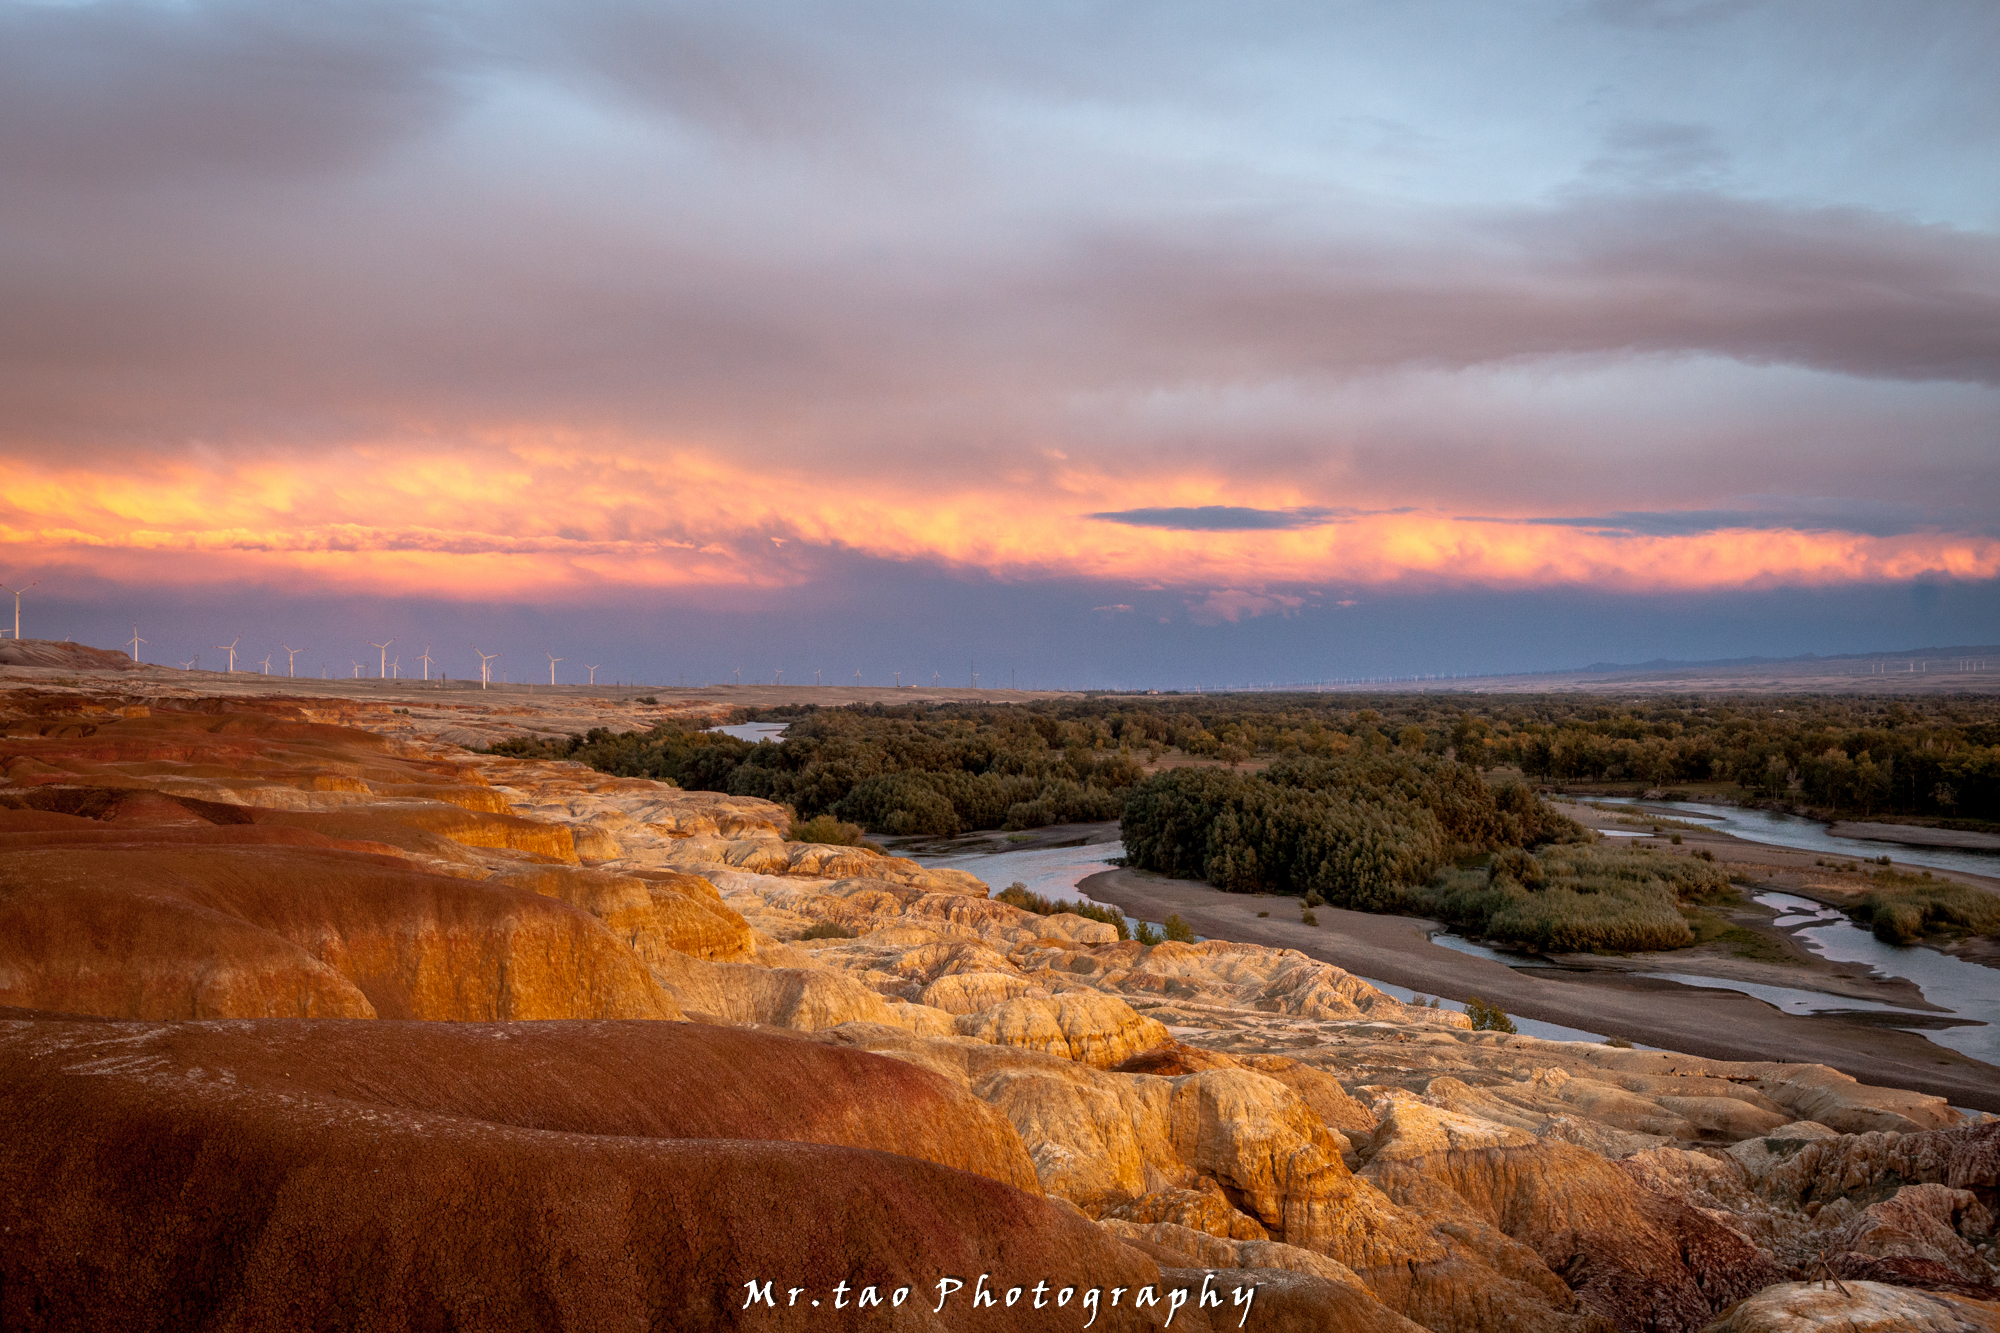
pixel 274 1176
pixel 1098 1030
pixel 1231 1106
pixel 245 922
pixel 1638 1258
pixel 1856 1307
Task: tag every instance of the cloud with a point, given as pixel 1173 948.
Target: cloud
pixel 536 300
pixel 1223 518
pixel 142 94
pixel 1233 604
pixel 526 518
pixel 1877 519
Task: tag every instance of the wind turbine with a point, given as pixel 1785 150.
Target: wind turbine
pixel 739 675
pixel 593 675
pixel 781 677
pixel 230 648
pixel 291 657
pixel 357 669
pixel 553 659
pixel 899 680
pixel 857 678
pixel 426 659
pixel 136 641
pixel 397 667
pixel 267 664
pixel 189 666
pixel 384 646
pixel 17 604
pixel 485 669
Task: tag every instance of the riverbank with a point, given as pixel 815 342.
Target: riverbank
pixel 1717 1024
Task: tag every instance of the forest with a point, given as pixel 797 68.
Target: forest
pixel 1416 802
pixel 943 769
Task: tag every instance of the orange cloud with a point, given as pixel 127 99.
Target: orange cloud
pixel 513 520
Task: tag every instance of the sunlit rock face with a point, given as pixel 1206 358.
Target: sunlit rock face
pixel 818 1052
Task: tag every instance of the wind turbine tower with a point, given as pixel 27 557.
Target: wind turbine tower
pixel 593 674
pixel 357 669
pixel 17 604
pixel 136 641
pixel 426 660
pixel 553 659
pixel 291 658
pixel 189 666
pixel 267 664
pixel 230 648
pixel 857 678
pixel 485 666
pixel 384 646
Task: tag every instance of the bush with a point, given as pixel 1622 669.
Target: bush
pixel 1178 928
pixel 826 829
pixel 1578 899
pixel 1308 918
pixel 1148 936
pixel 1019 895
pixel 1487 1017
pixel 1904 908
pixel 827 930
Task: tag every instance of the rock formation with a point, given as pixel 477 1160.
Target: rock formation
pixel 872 1072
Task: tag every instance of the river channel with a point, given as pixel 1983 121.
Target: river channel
pixel 1809 835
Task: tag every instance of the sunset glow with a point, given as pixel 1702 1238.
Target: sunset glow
pixel 825 324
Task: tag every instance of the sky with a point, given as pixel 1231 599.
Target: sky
pixel 1116 344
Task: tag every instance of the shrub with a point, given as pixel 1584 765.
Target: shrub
pixel 1148 936
pixel 1307 918
pixel 827 930
pixel 1904 908
pixel 1178 928
pixel 1019 895
pixel 1573 899
pixel 1263 914
pixel 827 829
pixel 1487 1017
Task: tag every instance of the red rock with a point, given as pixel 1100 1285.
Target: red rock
pixel 285 1175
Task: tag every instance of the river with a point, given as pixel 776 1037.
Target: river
pixel 1809 835
pixel 1055 872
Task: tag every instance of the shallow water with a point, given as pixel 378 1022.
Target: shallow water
pixel 1967 990
pixel 1809 835
pixel 755 731
pixel 1054 872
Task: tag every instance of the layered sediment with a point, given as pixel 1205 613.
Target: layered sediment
pixel 267 977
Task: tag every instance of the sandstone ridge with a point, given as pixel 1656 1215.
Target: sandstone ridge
pixel 253 918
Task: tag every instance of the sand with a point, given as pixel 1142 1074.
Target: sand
pixel 1722 1025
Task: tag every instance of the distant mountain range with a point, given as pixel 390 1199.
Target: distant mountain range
pixel 1677 664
